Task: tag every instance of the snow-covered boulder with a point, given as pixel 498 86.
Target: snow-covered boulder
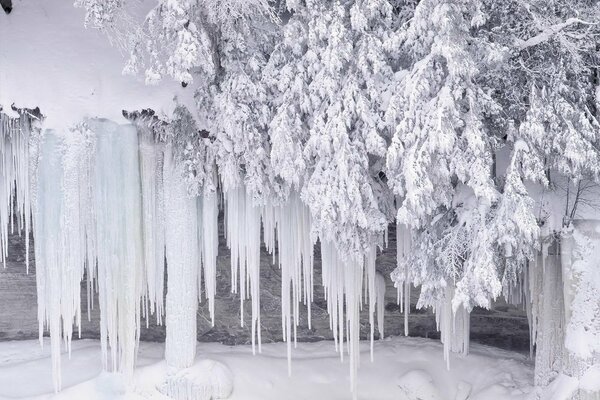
pixel 418 385
pixel 205 380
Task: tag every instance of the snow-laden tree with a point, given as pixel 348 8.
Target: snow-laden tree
pixel 328 77
pixel 441 155
pixel 99 14
pixel 235 107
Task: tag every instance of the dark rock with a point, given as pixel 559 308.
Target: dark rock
pixel 503 326
pixel 6 5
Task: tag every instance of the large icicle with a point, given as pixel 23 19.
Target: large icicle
pixel 454 326
pixel 210 248
pixel 549 318
pixel 153 214
pixel 403 283
pixel 119 241
pixel 243 239
pixel 64 233
pixel 183 266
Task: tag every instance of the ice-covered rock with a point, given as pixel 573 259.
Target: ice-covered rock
pixel 463 391
pixel 205 380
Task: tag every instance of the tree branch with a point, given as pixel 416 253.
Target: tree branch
pixel 548 32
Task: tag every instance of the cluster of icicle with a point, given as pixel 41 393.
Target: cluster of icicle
pixel 110 206
pixel 453 325
pixel 104 194
pixel 288 235
pixel 16 134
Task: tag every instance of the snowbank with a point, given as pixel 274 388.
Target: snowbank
pixel 403 366
pixel 42 66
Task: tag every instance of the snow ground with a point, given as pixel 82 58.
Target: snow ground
pixel 414 364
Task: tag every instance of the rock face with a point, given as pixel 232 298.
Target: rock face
pixel 505 326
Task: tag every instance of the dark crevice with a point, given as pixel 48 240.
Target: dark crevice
pixel 6 5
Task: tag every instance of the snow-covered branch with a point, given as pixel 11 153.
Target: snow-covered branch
pixel 548 32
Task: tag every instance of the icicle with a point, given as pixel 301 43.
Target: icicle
pixel 372 294
pixel 153 214
pixel 183 266
pixel 380 299
pixel 528 303
pixel 454 327
pixel 549 312
pixel 403 245
pixel 289 225
pixel 210 248
pixel 243 239
pixel 343 280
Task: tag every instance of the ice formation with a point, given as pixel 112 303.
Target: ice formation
pixel 15 136
pixel 58 271
pixel 287 233
pixel 183 266
pixel 210 248
pixel 110 204
pixel 343 283
pixel 403 243
pixel 453 325
pixel 243 239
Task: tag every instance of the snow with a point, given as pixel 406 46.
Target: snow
pixel 488 373
pixel 205 380
pixel 60 59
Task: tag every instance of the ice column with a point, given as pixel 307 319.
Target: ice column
pixel 183 265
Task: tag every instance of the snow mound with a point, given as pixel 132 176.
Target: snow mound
pixel 418 385
pixel 590 381
pixel 206 380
